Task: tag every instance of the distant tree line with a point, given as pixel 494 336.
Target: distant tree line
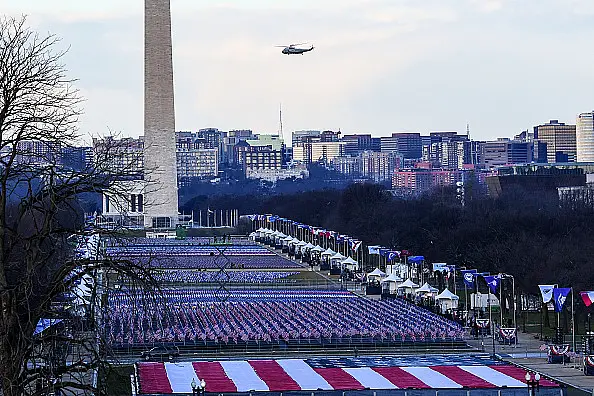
pixel 521 233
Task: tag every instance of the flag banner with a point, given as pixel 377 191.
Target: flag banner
pixel 393 256
pixel 468 277
pixel 415 259
pixel 547 292
pixel 355 245
pixel 493 282
pixel 441 267
pixel 384 252
pixel 559 297
pixel 374 249
pixel 588 297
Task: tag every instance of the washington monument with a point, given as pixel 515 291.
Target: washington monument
pixel 159 118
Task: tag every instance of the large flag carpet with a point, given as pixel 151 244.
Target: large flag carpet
pixel 330 374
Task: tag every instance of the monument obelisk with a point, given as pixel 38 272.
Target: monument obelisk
pixel 161 205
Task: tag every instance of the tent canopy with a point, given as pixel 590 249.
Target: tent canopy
pixel 349 261
pixel 288 239
pixel 301 243
pixel 308 246
pixel 392 278
pixel 408 284
pixel 337 256
pixel 447 295
pixel 329 252
pixel 377 272
pixel 426 288
pixel 318 248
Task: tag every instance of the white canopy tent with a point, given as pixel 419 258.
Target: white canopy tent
pixel 308 246
pixel 407 285
pixel 317 248
pixel 426 289
pixel 391 282
pixel 329 252
pixel 376 275
pixel 447 300
pixel 349 263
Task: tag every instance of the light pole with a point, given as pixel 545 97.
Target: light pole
pixel 202 387
pixel 532 383
pixel 194 387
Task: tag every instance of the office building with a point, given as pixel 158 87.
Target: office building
pixel 122 157
pixel 560 140
pixel 584 136
pixel 409 145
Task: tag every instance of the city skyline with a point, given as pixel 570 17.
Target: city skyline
pixel 379 67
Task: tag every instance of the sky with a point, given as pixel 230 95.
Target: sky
pixel 379 66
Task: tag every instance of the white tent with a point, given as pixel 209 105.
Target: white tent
pixel 308 246
pixel 349 263
pixel 337 256
pixel 377 272
pixel 295 241
pixel 288 239
pixel 317 248
pixel 301 243
pixel 426 288
pixel 408 284
pixel 260 229
pixel 392 278
pixel 447 300
pixel 329 252
pixel 268 231
pixel 391 282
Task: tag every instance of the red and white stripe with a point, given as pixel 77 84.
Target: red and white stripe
pixel 296 374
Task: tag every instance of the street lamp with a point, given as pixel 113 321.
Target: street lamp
pixel 199 388
pixel 533 384
pixel 194 387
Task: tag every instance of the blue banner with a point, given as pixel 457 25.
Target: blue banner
pixel 493 282
pixel 468 277
pixel 559 297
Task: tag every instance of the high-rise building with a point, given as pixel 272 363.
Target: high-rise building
pixel 308 152
pixel 37 152
pixel 560 139
pixel 77 158
pixel 233 137
pixel 195 158
pixel 584 136
pixel 409 145
pixel 355 144
pixel 124 157
pixel 495 153
pixel 161 201
pixel 303 136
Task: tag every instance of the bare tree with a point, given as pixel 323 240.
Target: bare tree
pixel 40 215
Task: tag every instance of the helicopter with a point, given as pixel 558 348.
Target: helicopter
pixel 293 50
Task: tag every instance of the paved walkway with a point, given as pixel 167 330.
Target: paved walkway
pixel 527 354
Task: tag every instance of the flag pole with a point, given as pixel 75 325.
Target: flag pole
pixel 491 320
pixel 572 320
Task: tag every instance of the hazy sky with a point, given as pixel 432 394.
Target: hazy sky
pixel 379 66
